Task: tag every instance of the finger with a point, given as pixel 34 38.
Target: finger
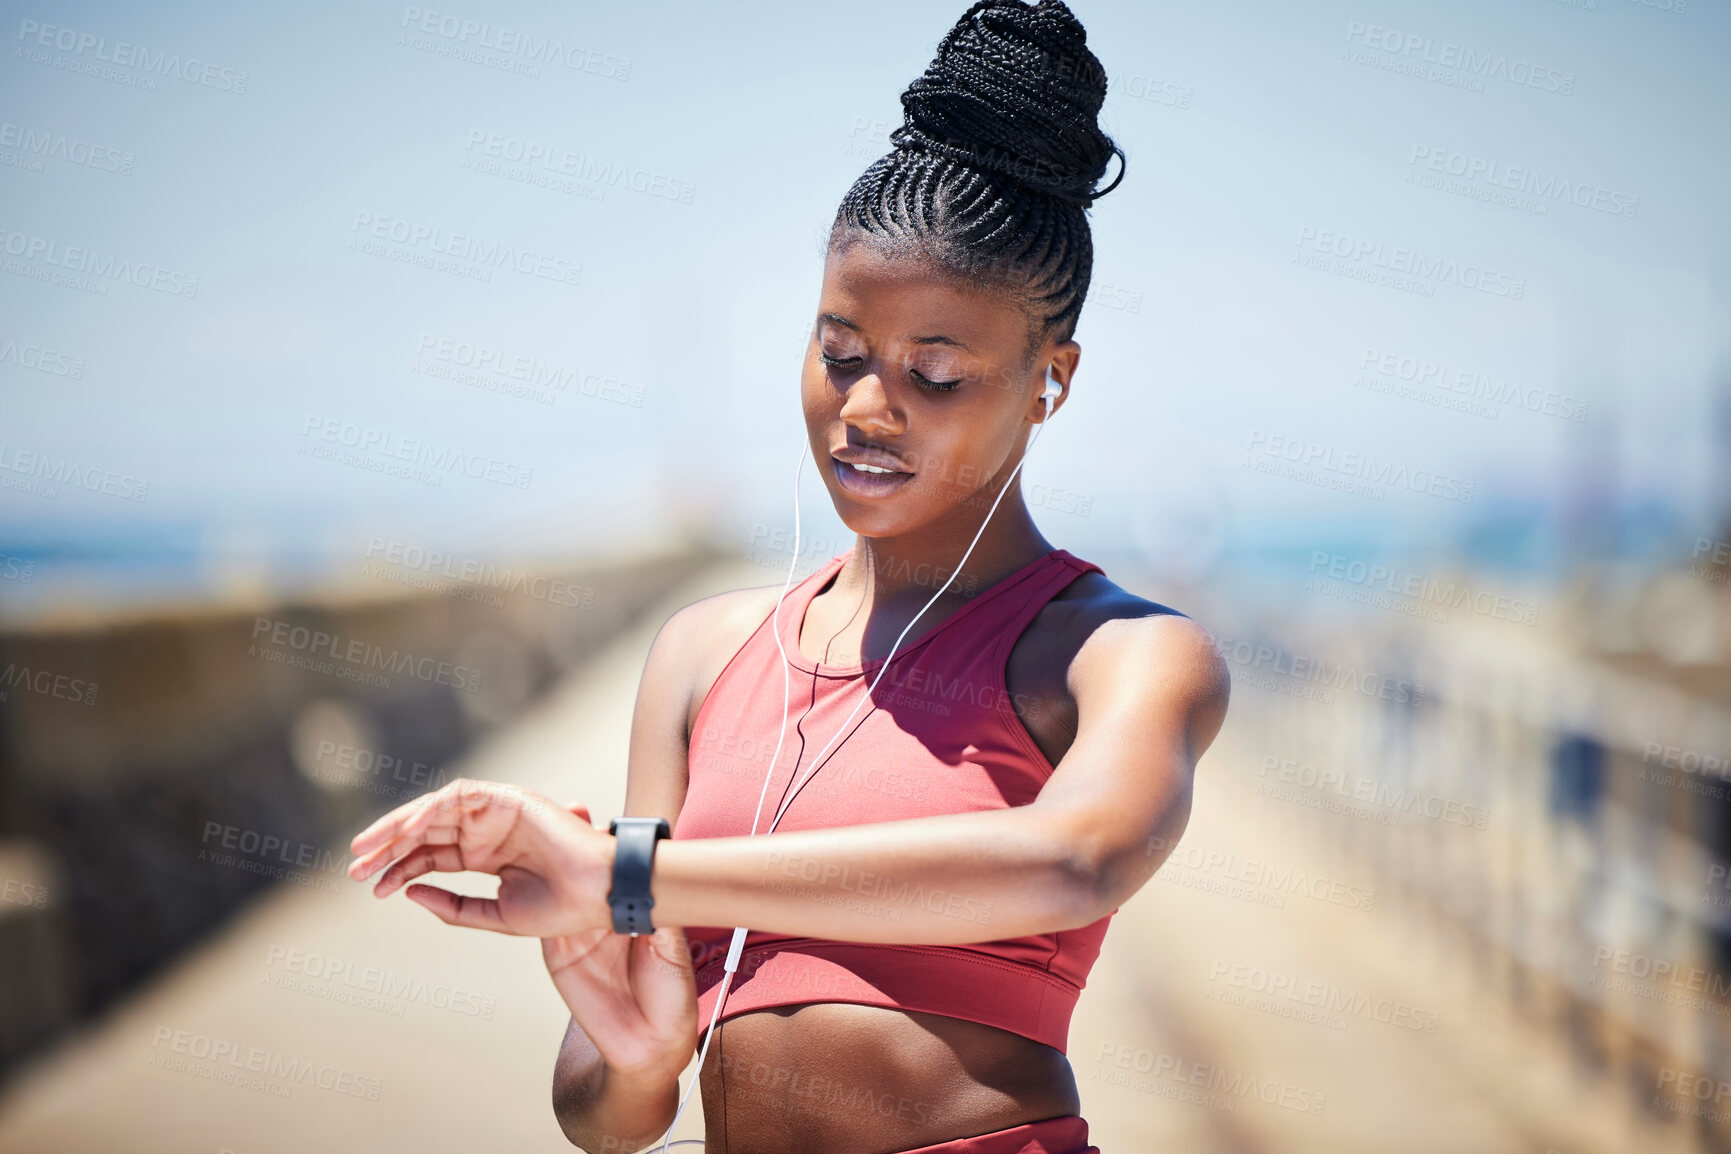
pixel 440 835
pixel 581 811
pixel 390 827
pixel 436 818
pixel 444 806
pixel 432 819
pixel 662 982
pixel 669 945
pixel 420 860
pixel 387 838
pixel 469 803
pixel 459 909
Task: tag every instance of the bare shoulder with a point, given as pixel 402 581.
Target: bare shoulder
pixel 1117 638
pixel 737 611
pixel 692 648
pixel 702 637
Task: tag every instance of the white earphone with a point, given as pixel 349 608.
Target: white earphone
pixel 1054 389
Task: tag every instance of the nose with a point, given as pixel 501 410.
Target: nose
pixel 866 406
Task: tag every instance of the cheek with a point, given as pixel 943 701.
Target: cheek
pixel 955 458
pixel 817 400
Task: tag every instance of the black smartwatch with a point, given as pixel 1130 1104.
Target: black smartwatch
pixel 633 858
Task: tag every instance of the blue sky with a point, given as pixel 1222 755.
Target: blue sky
pixel 336 178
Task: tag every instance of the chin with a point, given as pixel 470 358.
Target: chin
pixel 886 520
pixel 875 522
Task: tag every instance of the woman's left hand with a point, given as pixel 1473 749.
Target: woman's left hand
pixel 554 868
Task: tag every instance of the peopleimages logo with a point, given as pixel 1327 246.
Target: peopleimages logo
pixel 123 54
pixel 1353 469
pixel 1300 667
pixel 1470 64
pixel 512 42
pixel 79 261
pixel 1660 971
pixel 307 645
pixel 1229 1086
pixel 1325 996
pixel 1695 1095
pixel 46 472
pixel 48 145
pixel 411 451
pixel 1470 384
pixel 1419 588
pixel 426 244
pixel 254 1066
pixel 40 359
pixel 1495 176
pixel 1380 795
pixel 345 975
pixel 46 683
pixel 470 571
pixel 1260 882
pixel 1409 267
pixel 540 378
pixel 17 568
pixel 560 161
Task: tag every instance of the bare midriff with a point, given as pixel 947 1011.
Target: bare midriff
pixel 853 1079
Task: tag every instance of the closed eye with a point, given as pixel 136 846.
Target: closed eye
pixel 940 386
pixel 854 362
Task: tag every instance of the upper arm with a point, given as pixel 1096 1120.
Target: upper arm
pixel 654 787
pixel 688 654
pixel 1151 695
pixel 655 771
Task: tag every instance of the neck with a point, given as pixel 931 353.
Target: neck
pixel 914 566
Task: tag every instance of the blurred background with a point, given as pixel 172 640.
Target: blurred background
pixel 375 379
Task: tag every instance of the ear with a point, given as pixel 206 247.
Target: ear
pixel 1061 357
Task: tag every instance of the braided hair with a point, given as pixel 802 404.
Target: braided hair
pixel 996 162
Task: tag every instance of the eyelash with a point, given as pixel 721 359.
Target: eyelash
pixel 935 386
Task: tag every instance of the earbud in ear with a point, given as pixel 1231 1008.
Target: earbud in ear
pixel 1052 391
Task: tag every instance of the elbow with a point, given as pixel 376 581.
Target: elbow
pixel 1084 889
pixel 571 1108
pixel 575 1098
pixel 603 1119
pixel 1098 872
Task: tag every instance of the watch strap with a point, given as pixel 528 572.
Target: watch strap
pixel 633 862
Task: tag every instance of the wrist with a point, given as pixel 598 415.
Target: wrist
pixel 651 1076
pixel 609 853
pixel 630 896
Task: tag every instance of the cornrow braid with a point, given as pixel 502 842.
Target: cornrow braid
pixel 997 161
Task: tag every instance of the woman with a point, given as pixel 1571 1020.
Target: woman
pixel 926 913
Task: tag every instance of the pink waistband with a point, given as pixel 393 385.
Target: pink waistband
pixel 1066 1135
pixel 955 982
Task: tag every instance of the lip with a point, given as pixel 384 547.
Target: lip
pixel 868 486
pixel 864 455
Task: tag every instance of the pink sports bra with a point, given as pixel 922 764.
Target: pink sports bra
pixel 940 736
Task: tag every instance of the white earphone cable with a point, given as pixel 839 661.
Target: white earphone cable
pixel 737 946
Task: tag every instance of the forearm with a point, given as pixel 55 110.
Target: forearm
pixel 944 880
pixel 603 1109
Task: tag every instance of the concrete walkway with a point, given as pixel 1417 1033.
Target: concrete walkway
pixel 429 1039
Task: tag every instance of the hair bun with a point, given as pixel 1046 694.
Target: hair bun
pixel 1014 90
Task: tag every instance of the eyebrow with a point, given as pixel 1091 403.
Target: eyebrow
pixel 935 339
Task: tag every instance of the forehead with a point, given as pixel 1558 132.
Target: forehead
pixel 889 295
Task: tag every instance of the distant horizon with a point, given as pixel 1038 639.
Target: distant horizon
pixel 1332 300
